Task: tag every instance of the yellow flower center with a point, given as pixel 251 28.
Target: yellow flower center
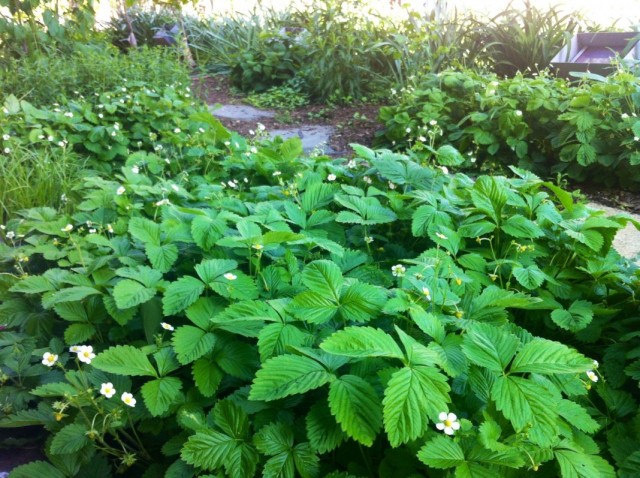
pixel 50 358
pixel 107 391
pixel 448 423
pixel 86 354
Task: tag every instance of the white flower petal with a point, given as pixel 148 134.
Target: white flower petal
pixel 440 426
pixel 448 430
pixel 443 416
pixel 452 417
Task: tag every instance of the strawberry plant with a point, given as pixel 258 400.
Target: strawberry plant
pixel 274 315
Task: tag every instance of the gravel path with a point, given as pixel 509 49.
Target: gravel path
pixel 627 241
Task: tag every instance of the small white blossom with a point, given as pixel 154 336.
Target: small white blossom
pixel 254 150
pixel 92 231
pixel 135 169
pixel 49 359
pixel 49 138
pixel 7 150
pixel 427 293
pixel 408 130
pixel 276 173
pixel 230 276
pixel 67 228
pixel 166 326
pixel 11 235
pixel 258 247
pixel 448 423
pixel 86 354
pixel 175 187
pixel 107 390
pixel 592 375
pixel 367 179
pixel 260 127
pixel 433 122
pixel 251 132
pixel 331 177
pixel 444 169
pixel 69 114
pixel 201 130
pixel 121 190
pixel 6 137
pixel 351 164
pixel 596 364
pixel 109 228
pixel 422 138
pixel 100 115
pixel 177 130
pixel 74 349
pixel 624 116
pixel 128 399
pixel 163 202
pixel 391 185
pixel 368 239
pixel 398 270
pixel 518 113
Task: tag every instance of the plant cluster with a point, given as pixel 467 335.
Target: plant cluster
pixel 588 131
pixel 87 70
pixel 279 97
pixel 97 132
pixel 269 314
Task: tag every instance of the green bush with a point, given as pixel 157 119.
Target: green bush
pixel 87 70
pixel 587 131
pixel 280 316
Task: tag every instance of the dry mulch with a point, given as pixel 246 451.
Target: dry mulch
pixel 353 123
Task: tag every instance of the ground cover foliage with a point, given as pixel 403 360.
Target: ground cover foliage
pixel 318 318
pixel 193 303
pixel 588 131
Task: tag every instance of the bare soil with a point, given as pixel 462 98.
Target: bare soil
pixel 356 123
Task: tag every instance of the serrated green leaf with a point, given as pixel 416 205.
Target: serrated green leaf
pixel 36 469
pixel 323 278
pixel 406 412
pixel 441 453
pixel 181 294
pixel 447 155
pixel 530 277
pixel 323 432
pixel 144 230
pixel 274 439
pixel 521 227
pixel 210 270
pixel 33 285
pixel 160 394
pixel 207 376
pixel 71 294
pixel 78 333
pixel 124 360
pixel 490 347
pixel 242 461
pixel 191 343
pixel 162 257
pixel 208 449
pixel 577 317
pixel 527 404
pixel 275 338
pixel 70 439
pixel 577 416
pixel 128 293
pixel 548 357
pixel 287 375
pixel 231 419
pixel 362 342
pixel 355 404
pixel 206 231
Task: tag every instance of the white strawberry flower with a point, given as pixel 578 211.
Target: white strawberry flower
pixel 67 228
pixel 167 326
pixel 448 423
pixel 128 399
pixel 49 359
pixel 74 349
pixel 398 270
pixel 135 169
pixel 427 293
pixel 107 390
pixel 86 354
pixel 331 177
pixel 592 376
pixel 121 190
pixel 230 276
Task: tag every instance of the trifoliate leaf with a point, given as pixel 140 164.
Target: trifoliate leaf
pixel 128 293
pixel 124 360
pixel 530 277
pixel 576 318
pixel 191 343
pixel 521 227
pixel 162 257
pixel 144 230
pixel 490 347
pixel 207 376
pixel 406 412
pixel 208 449
pixel 70 439
pixel 181 294
pixel 442 453
pixel 275 338
pixel 356 406
pixel 548 357
pixel 36 468
pixel 323 432
pixel 287 375
pixel 362 342
pixel 160 394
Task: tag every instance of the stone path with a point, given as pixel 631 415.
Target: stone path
pixel 314 137
pixel 627 241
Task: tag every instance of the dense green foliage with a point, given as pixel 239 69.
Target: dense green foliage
pixel 319 317
pixel 588 131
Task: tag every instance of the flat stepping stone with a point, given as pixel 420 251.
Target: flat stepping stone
pixel 240 112
pixel 312 137
pixel 627 240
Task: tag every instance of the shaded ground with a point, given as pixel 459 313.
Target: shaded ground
pixel 353 123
